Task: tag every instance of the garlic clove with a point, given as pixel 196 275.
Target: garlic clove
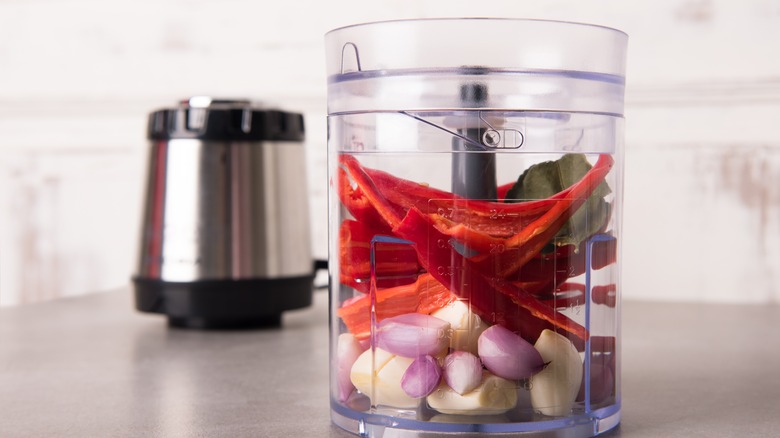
pixel 378 376
pixel 388 384
pixel 466 326
pixel 554 389
pixel 493 396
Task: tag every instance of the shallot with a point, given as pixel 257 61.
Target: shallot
pixel 602 383
pixel 348 349
pixel 413 335
pixel 422 377
pixel 508 355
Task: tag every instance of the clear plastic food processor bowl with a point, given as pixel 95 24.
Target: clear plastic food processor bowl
pixel 476 176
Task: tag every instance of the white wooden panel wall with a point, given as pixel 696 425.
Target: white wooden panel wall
pixel 77 78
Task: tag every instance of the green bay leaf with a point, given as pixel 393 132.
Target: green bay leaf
pixel 545 179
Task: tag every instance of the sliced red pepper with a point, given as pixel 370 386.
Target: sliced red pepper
pixel 493 218
pixel 563 263
pixel 566 262
pixel 360 207
pixel 425 295
pixel 503 256
pixel 390 213
pixel 410 194
pixel 464 279
pixel 520 248
pixel 511 253
pixel 541 230
pixel 394 264
pixel 573 294
pixel 540 287
pixel 392 197
pixel 540 276
pixel 605 294
pixel 565 296
pixel 354 256
pixel 470 219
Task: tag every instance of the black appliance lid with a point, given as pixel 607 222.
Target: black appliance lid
pixel 206 118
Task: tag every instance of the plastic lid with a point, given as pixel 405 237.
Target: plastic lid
pixel 206 118
pixel 424 65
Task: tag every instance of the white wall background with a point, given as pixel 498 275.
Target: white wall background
pixel 78 77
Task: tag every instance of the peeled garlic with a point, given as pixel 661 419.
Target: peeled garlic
pixel 493 396
pixel 554 389
pixel 380 378
pixel 466 326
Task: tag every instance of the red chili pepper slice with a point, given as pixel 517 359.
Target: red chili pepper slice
pixel 360 207
pixel 493 218
pixel 419 213
pixel 575 196
pixel 478 224
pixel 425 295
pixel 366 194
pixel 464 278
pixel 605 294
pixel 394 264
pixel 573 294
pixel 566 261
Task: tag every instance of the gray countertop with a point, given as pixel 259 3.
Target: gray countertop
pixel 92 366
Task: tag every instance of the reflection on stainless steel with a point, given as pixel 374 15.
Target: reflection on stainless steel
pixel 225 210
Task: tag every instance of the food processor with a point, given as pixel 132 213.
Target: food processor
pixel 476 177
